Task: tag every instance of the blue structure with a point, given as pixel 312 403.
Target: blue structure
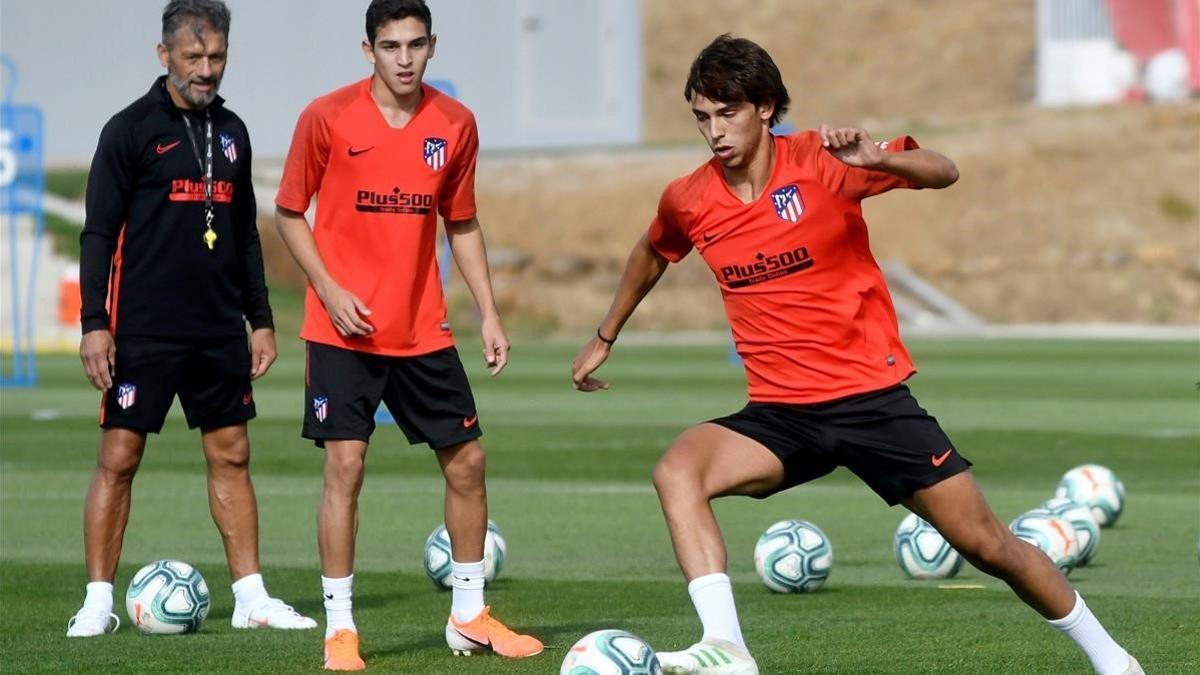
pixel 22 182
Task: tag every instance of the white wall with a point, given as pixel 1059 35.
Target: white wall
pixel 537 73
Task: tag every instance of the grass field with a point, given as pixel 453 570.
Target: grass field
pixel 569 485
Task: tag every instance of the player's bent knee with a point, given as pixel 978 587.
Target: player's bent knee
pixel 676 474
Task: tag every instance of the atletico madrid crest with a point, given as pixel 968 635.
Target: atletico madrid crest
pixel 320 407
pixel 787 203
pixel 126 395
pixel 229 147
pixel 435 153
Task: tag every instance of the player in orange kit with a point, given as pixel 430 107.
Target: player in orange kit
pixel 385 156
pixel 778 220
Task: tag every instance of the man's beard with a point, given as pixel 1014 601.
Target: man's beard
pixel 198 101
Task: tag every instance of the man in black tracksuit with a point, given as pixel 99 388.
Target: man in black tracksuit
pixel 171 271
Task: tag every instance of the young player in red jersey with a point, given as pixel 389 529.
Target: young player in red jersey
pixel 385 156
pixel 779 221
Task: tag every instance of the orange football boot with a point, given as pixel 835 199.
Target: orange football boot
pixel 341 651
pixel 486 633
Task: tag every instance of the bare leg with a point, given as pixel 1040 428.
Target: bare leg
pixel 708 461
pixel 956 507
pixel 466 499
pixel 106 510
pixel 231 496
pixel 337 518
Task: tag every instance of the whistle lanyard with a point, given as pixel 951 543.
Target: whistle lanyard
pixel 206 168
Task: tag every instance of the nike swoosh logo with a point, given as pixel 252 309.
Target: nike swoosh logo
pixel 471 639
pixel 354 153
pixel 709 237
pixel 469 422
pixel 164 149
pixel 329 596
pixel 940 459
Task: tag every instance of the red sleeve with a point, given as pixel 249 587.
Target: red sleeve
pixel 855 183
pixel 457 201
pixel 306 161
pixel 666 236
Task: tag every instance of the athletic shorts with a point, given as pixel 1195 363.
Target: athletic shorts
pixel 428 395
pixel 210 375
pixel 884 437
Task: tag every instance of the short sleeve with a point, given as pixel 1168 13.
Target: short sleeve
pixel 666 236
pixel 457 201
pixel 856 183
pixel 306 161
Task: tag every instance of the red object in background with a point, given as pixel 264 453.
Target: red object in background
pixel 1187 21
pixel 1144 27
pixel 1147 27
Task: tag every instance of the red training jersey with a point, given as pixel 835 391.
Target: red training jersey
pixel 379 191
pixel 811 315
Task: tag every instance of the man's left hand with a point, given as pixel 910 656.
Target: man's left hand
pixel 495 345
pixel 853 146
pixel 262 352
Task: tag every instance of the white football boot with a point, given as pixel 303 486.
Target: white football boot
pixel 271 614
pixel 709 657
pixel 88 623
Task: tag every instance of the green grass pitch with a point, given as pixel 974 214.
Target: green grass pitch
pixel 569 484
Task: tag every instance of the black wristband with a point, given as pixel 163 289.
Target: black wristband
pixel 604 339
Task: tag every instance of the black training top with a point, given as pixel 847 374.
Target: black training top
pixel 144 267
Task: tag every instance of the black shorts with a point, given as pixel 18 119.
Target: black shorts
pixel 211 377
pixel 884 437
pixel 427 394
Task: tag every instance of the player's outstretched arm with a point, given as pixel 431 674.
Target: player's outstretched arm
pixel 345 310
pixel 642 271
pixel 855 147
pixel 470 254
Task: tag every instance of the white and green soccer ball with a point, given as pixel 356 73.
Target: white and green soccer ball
pixel 610 652
pixel 438 562
pixel 1055 537
pixel 922 551
pixel 1087 531
pixel 793 556
pixel 167 596
pixel 1098 488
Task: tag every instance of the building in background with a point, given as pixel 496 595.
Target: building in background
pixel 537 73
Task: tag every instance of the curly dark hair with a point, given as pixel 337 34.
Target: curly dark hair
pixel 382 12
pixel 732 70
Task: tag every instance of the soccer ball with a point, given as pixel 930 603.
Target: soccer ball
pixel 610 652
pixel 167 596
pixel 1087 532
pixel 1098 488
pixel 438 561
pixel 793 556
pixel 922 551
pixel 1050 533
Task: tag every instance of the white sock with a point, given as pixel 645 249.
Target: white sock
pixel 1107 657
pixel 249 591
pixel 712 594
pixel 467 582
pixel 99 598
pixel 337 604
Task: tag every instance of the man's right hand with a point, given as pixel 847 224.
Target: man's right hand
pixel 593 354
pixel 98 352
pixel 346 312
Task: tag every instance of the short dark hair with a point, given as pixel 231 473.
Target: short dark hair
pixel 383 12
pixel 733 70
pixel 177 12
